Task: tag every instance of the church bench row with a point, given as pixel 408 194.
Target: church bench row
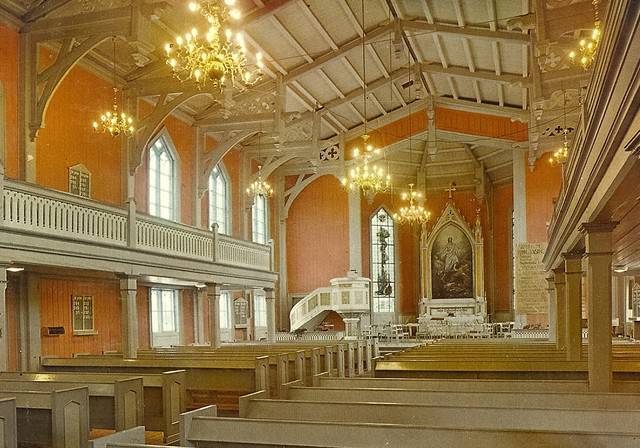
pixel 208 431
pixel 502 399
pixel 55 419
pixel 164 393
pixel 8 423
pixel 117 404
pixel 445 416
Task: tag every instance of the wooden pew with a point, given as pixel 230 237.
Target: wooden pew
pixel 469 385
pixel 56 419
pixel 442 416
pixel 8 423
pixel 164 392
pixel 114 404
pixel 206 430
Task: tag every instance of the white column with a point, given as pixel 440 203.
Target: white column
pixel 598 245
pixel 573 294
pixel 355 233
pixel 270 300
pixel 561 308
pixel 131 208
pixel 553 309
pixel 283 286
pixel 213 293
pixel 33 322
pixel 4 331
pixel 200 311
pixel 519 199
pixel 129 317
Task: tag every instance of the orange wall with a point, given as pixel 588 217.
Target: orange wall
pixel 55 310
pixel 502 222
pixel 9 79
pixel 67 137
pixel 317 236
pixel 482 125
pixel 12 298
pixel 393 132
pixel 142 302
pixel 542 187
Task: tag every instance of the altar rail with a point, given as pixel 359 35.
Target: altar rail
pixel 33 209
pixel 310 336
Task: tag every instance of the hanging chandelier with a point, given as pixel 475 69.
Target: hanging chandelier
pixel 585 54
pixel 114 122
pixel 413 213
pixel 216 57
pixel 260 187
pixel 560 156
pixel 364 176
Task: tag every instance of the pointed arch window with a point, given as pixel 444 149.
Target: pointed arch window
pixel 260 222
pixel 383 265
pixel 220 200
pixel 162 179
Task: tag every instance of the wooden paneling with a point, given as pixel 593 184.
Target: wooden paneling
pixel 317 236
pixel 55 311
pixel 502 234
pixel 12 299
pixel 142 302
pixel 9 81
pixel 542 186
pixel 480 124
pixel 68 139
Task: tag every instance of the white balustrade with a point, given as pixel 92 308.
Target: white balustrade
pixel 171 238
pixel 56 214
pixel 59 214
pixel 310 336
pixel 242 253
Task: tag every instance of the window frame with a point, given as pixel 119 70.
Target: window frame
pixel 226 298
pixel 259 297
pixel 222 173
pixel 168 144
pixel 255 235
pixel 392 299
pixel 176 312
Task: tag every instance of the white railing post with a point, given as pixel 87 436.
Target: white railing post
pixel 214 239
pixel 132 224
pixel 1 192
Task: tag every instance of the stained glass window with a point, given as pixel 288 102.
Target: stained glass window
pixel 383 275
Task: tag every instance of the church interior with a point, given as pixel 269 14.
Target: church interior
pixel 319 223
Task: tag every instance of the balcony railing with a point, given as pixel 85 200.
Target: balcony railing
pixel 32 209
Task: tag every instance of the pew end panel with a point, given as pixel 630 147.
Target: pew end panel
pixel 245 402
pixel 70 418
pixel 174 403
pixel 129 403
pixel 8 423
pixel 186 419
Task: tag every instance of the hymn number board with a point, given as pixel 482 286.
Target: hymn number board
pixel 82 314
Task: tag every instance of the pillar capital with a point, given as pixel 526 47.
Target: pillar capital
pixel 572 262
pixel 598 227
pixel 559 275
pixel 128 282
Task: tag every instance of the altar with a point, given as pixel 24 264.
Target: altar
pixel 452 274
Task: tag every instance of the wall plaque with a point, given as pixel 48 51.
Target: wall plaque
pixel 530 284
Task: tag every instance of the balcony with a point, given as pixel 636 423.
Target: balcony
pixel 44 226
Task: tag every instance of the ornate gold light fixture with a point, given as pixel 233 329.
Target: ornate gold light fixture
pixel 260 187
pixel 560 156
pixel 370 179
pixel 217 57
pixel 365 176
pixel 413 213
pixel 114 122
pixel 586 52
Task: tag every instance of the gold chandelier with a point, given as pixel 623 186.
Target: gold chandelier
pixel 370 179
pixel 560 156
pixel 413 213
pixel 218 56
pixel 114 122
pixel 260 187
pixel 367 177
pixel 586 52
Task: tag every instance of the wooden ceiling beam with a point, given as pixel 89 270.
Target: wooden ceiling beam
pixel 511 37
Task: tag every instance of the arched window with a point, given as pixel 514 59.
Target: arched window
pixel 162 179
pixel 220 200
pixel 383 262
pixel 260 220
